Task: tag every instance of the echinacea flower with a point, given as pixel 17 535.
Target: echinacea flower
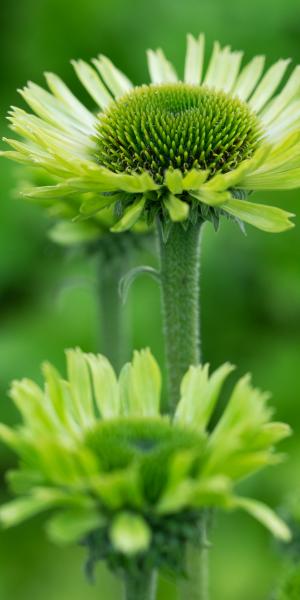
pixel 180 147
pixel 123 478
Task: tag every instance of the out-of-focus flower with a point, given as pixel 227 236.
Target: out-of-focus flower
pixel 120 476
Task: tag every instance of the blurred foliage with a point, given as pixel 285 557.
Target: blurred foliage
pixel 250 285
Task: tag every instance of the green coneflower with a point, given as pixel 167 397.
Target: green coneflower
pixel 181 148
pixel 127 481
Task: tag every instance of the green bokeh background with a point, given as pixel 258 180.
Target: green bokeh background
pixel 250 285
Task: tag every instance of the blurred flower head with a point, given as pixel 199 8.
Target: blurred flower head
pixel 181 148
pixel 120 476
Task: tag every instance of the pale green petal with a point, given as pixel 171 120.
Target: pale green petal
pixel 210 197
pixel 119 488
pixel 267 218
pixel 231 71
pixel 130 217
pixel 268 85
pixel 272 180
pixel 281 101
pixel 46 192
pixel 173 181
pixel 71 525
pixel 47 107
pixel 160 69
pixel 212 66
pixel 80 387
pixel 92 83
pixel 58 395
pixel 37 413
pixel 140 385
pixel 130 534
pixel 105 385
pixel 115 80
pixel 194 59
pixel 199 394
pixel 194 179
pixel 177 209
pixel 272 433
pixel 265 515
pixel 62 92
pixel 68 233
pixel 223 68
pixel 249 77
pixel 11 438
pixel 19 510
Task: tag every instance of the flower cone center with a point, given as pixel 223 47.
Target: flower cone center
pixel 178 126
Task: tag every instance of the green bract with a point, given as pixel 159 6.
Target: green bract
pixel 183 147
pixel 117 474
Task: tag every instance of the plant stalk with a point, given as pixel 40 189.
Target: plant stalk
pixel 180 267
pixel 114 322
pixel 140 588
pixel 180 277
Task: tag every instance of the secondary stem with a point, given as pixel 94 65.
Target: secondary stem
pixel 113 321
pixel 179 264
pixel 141 588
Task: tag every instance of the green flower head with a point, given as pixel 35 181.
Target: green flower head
pixel 179 148
pixel 120 476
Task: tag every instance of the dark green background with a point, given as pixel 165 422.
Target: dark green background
pixel 250 285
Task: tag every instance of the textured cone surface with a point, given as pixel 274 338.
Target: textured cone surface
pixel 180 126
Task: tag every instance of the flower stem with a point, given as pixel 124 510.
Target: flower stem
pixel 196 587
pixel 114 333
pixel 179 264
pixel 142 587
pixel 180 275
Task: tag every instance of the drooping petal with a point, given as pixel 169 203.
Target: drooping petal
pixel 178 209
pixel 131 216
pixel 71 525
pixel 267 218
pixel 265 515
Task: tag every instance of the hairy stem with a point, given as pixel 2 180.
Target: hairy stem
pixel 140 588
pixel 196 587
pixel 180 263
pixel 180 275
